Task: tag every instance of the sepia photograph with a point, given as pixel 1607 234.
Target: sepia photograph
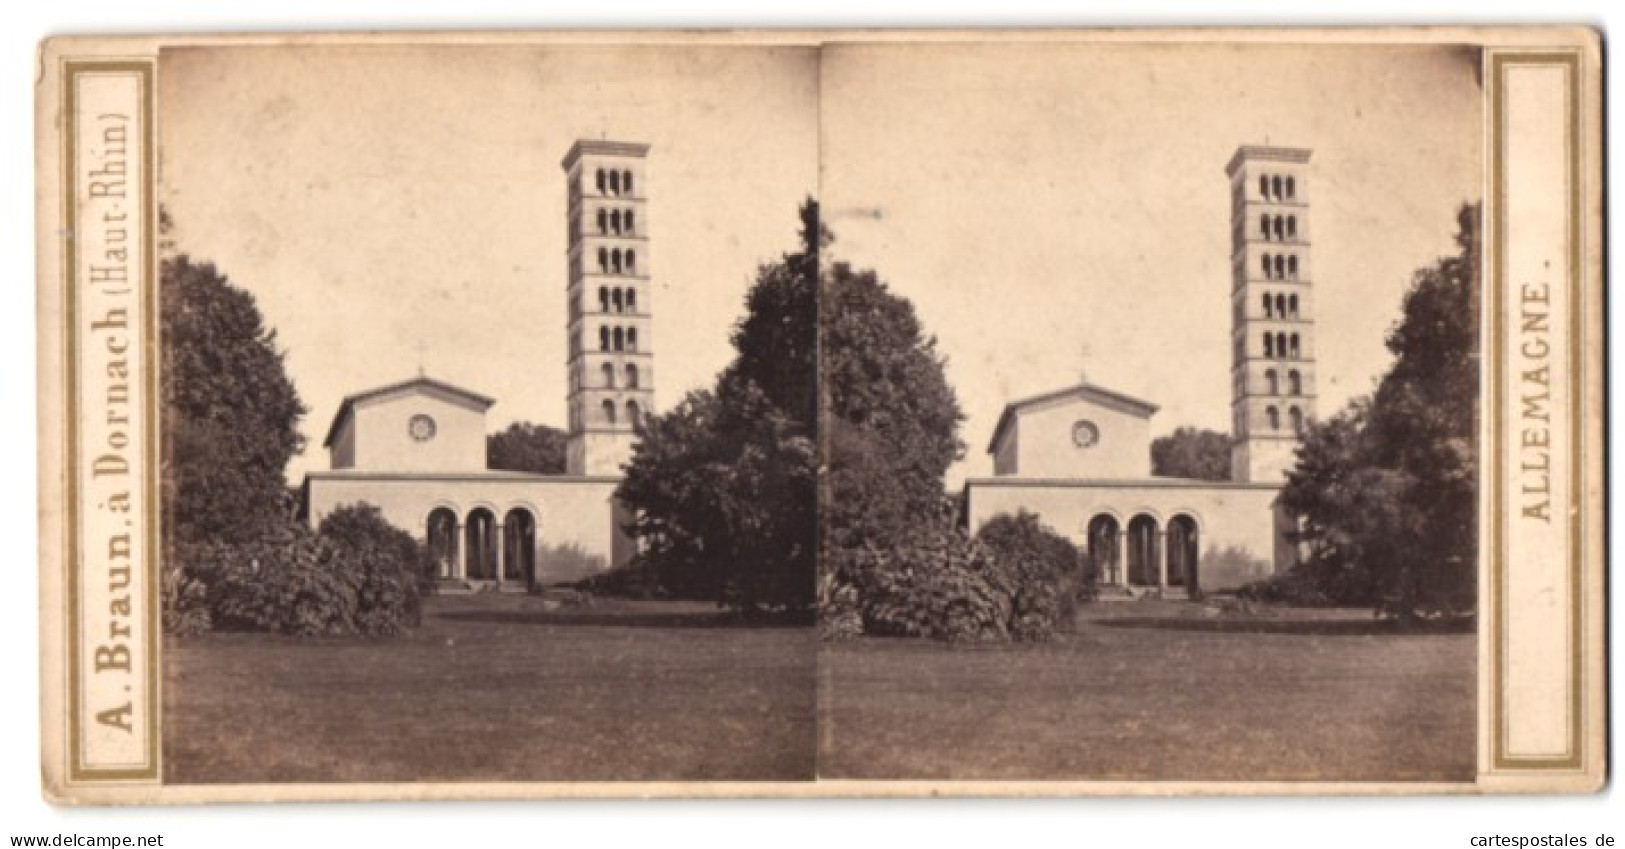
pixel 778 413
pixel 1170 468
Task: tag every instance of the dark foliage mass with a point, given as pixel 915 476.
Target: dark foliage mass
pixel 231 415
pixel 1387 488
pixel 236 556
pixel 1193 453
pixel 526 447
pixel 724 486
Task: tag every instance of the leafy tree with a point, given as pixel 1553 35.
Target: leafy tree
pixel 1194 453
pixel 1388 489
pixel 724 486
pixel 526 447
pixel 231 414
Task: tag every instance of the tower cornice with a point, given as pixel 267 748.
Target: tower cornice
pixel 603 146
pixel 1266 153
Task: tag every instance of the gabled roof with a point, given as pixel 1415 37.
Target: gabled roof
pixel 1086 391
pixel 348 405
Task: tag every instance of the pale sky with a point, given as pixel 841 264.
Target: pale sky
pixel 1061 208
pixel 378 199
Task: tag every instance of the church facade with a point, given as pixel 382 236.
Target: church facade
pixel 1080 457
pixel 416 449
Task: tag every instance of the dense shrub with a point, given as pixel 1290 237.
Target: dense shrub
pixel 356 575
pixel 1313 585
pixel 639 579
pixel 938 583
pixel 1042 560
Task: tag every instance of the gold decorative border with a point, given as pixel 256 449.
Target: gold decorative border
pixel 1573 759
pixel 144 70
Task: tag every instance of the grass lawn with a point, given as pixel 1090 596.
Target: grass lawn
pixel 497 688
pixel 1139 692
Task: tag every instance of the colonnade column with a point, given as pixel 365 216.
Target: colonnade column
pixel 502 550
pixel 1161 543
pixel 458 547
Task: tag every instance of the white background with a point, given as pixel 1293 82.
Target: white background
pixel 922 823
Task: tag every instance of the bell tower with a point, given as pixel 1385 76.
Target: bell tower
pixel 1272 307
pixel 610 361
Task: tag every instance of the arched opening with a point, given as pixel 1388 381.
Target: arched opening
pixel 600 181
pixel 631 262
pixel 1264 226
pixel 1280 267
pixel 603 338
pixel 1280 305
pixel 1280 228
pixel 620 339
pixel 1295 350
pixel 1295 415
pixel 1292 268
pixel 519 546
pixel 1292 305
pixel 1263 184
pixel 603 299
pixel 1103 549
pixel 481 545
pixel 1268 266
pixel 609 411
pixel 1269 378
pixel 616 298
pixel 1142 551
pixel 631 375
pixel 1294 382
pixel 1273 416
pixel 626 181
pixel 634 414
pixel 1275 184
pixel 1291 188
pixel 602 222
pixel 1269 309
pixel 631 300
pixel 1280 345
pixel 1292 226
pixel 443 541
pixel 603 260
pixel 615 221
pixel 1269 345
pixel 609 375
pixel 631 339
pixel 615 260
pixel 631 227
pixel 614 182
pixel 1184 550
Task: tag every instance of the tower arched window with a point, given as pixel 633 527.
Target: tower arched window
pixel 1292 267
pixel 614 182
pixel 600 181
pixel 626 181
pixel 615 297
pixel 609 375
pixel 632 300
pixel 609 411
pixel 1263 184
pixel 1268 266
pixel 1269 345
pixel 1292 306
pixel 1291 188
pixel 1294 382
pixel 631 262
pixel 1270 381
pixel 1280 305
pixel 631 375
pixel 1264 226
pixel 1280 345
pixel 1295 353
pixel 615 221
pixel 1280 267
pixel 1280 228
pixel 620 339
pixel 603 339
pixel 631 226
pixel 603 222
pixel 633 413
pixel 1270 413
pixel 603 260
pixel 603 299
pixel 1296 417
pixel 1292 226
pixel 1274 184
pixel 631 339
pixel 615 260
pixel 1269 310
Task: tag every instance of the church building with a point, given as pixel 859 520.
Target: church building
pixel 416 449
pixel 1080 457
